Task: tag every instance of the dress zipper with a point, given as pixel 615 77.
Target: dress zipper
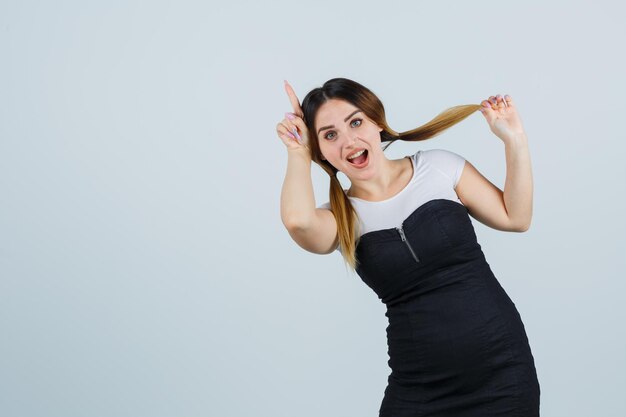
pixel 404 239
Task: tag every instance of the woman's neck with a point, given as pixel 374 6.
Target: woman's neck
pixel 392 177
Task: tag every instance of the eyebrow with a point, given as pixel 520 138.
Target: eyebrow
pixel 345 120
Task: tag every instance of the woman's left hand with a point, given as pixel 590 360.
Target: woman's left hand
pixel 502 116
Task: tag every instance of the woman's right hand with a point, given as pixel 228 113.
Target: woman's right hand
pixel 292 130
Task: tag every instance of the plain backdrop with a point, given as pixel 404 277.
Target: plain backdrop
pixel 144 267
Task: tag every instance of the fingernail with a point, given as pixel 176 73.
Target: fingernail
pixel 292 136
pixel 295 131
pixel 290 116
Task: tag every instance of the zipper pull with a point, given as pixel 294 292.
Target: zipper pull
pixel 404 239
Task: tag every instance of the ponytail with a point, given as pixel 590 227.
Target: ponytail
pixel 347 220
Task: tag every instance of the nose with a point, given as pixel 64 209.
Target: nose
pixel 352 140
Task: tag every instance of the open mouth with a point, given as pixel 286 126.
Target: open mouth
pixel 361 160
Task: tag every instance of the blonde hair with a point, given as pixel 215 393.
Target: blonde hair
pixel 364 99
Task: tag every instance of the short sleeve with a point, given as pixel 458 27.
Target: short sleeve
pixel 325 205
pixel 448 163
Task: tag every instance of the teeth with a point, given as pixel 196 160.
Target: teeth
pixel 356 154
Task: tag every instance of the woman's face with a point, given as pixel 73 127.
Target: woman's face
pixel 344 130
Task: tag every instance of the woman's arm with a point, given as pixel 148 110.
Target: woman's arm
pixel 510 209
pixel 297 201
pixel 518 186
pixel 313 229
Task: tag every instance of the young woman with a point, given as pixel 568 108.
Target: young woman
pixel 457 344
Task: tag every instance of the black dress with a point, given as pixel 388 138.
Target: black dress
pixel 456 343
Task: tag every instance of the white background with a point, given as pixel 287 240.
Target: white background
pixel 144 268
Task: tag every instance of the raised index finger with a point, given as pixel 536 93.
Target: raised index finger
pixel 295 103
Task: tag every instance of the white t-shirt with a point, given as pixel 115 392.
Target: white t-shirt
pixel 436 172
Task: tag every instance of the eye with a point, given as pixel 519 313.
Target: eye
pixel 351 123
